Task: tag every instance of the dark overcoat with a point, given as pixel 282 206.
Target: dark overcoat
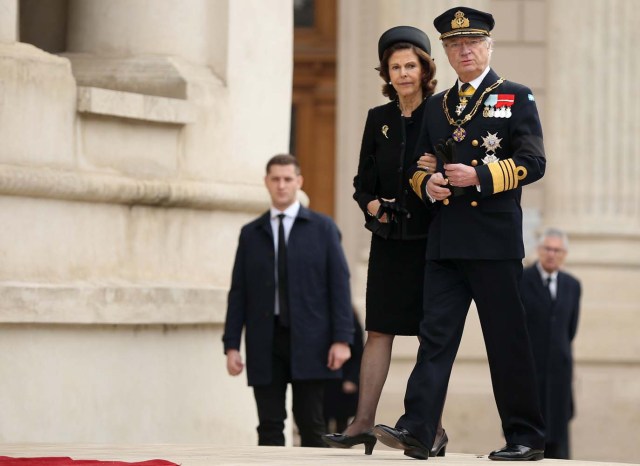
pixel 319 296
pixel 552 325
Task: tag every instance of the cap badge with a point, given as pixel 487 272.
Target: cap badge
pixel 459 21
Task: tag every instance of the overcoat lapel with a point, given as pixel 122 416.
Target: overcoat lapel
pixel 265 224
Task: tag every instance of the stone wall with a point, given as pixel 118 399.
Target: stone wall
pixel 130 161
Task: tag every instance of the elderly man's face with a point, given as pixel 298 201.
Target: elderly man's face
pixel 469 56
pixel 552 253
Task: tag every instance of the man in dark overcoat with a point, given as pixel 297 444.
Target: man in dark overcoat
pixel 294 304
pixel 551 301
pixel 487 134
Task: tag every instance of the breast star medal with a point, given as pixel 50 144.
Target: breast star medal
pixel 384 130
pixel 491 142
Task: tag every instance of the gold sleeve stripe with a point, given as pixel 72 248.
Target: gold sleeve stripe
pixel 504 175
pixel 511 170
pixel 416 182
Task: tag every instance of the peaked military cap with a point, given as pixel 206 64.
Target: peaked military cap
pixel 464 21
pixel 403 34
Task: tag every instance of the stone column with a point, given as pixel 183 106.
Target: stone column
pixel 8 20
pixel 592 192
pixel 125 28
pixel 594 121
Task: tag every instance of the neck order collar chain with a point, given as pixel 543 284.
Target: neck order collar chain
pixel 459 133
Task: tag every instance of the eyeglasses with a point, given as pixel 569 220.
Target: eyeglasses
pixel 551 250
pixel 456 46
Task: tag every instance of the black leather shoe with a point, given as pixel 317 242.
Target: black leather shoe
pixel 347 441
pixel 439 447
pixel 512 452
pixel 402 440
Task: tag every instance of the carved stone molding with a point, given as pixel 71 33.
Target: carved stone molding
pixel 135 106
pixel 96 187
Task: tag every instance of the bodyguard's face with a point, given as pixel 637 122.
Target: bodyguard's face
pixel 468 56
pixel 283 183
pixel 551 254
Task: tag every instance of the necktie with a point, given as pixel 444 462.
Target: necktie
pixel 283 282
pixel 466 90
pixel 548 283
pixel 464 93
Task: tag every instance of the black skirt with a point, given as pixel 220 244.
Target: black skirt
pixel 394 285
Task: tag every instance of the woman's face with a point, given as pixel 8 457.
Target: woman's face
pixel 405 72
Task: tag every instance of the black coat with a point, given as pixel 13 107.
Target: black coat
pixel 485 224
pixel 319 296
pixel 337 403
pixel 386 158
pixel 552 326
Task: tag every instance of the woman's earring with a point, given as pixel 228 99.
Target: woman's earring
pixel 390 83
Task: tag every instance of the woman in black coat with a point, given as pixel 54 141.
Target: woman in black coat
pixel 396 217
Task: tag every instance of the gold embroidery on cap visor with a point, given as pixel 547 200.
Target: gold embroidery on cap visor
pixel 466 32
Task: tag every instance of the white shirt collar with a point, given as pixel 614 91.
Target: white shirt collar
pixel 476 82
pixel 291 211
pixel 544 274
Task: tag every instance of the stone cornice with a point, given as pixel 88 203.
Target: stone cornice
pixel 116 189
pixel 135 106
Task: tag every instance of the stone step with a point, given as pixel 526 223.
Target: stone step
pixel 209 455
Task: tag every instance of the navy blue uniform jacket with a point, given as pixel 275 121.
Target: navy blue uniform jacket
pixel 485 224
pixel 319 296
pixel 552 326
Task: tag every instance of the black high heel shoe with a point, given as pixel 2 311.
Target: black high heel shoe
pixel 347 441
pixel 440 446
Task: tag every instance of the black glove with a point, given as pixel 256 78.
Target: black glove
pixel 392 209
pixel 446 153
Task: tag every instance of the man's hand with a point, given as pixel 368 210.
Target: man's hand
pixel 436 187
pixel 427 162
pixel 234 362
pixel 461 175
pixel 349 387
pixel 339 353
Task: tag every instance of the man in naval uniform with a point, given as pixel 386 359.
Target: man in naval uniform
pixel 487 133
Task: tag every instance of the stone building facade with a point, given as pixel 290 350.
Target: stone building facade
pixel 134 137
